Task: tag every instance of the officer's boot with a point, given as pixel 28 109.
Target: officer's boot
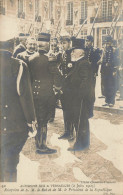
pixel 66 133
pixel 71 136
pixel 42 147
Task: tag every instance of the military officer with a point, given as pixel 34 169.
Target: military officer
pixel 17 109
pixel 93 56
pixel 54 59
pixel 79 89
pixel 108 71
pixel 65 67
pixel 120 69
pixel 22 45
pixel 43 94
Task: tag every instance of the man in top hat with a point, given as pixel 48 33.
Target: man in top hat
pixel 65 68
pixel 93 56
pixel 22 45
pixel 78 88
pixel 43 94
pixel 108 71
pixel 17 108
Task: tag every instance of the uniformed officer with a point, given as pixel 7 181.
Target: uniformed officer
pixel 108 71
pixel 65 67
pixel 22 45
pixel 79 89
pixel 31 46
pixel 43 94
pixel 17 109
pixel 120 69
pixel 93 56
pixel 54 59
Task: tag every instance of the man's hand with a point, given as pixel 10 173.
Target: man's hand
pixel 32 129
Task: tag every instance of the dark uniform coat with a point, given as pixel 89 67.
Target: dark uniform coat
pixel 93 56
pixel 65 60
pixel 108 74
pixel 42 86
pixel 17 110
pixel 78 90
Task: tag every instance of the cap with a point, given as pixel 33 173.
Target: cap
pixel 108 38
pixel 23 36
pixel 90 38
pixel 78 43
pixel 43 37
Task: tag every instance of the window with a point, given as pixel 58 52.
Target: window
pixel 2 7
pixel 37 7
pixel 107 8
pixel 105 32
pixel 84 34
pixel 21 13
pixel 69 13
pixel 51 9
pixel 83 11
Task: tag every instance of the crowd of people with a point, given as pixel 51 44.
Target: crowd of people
pixel 38 73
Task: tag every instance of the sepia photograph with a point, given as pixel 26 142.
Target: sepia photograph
pixel 61 97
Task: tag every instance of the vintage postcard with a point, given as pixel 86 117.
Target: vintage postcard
pixel 61 97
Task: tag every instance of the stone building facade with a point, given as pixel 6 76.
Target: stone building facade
pixel 33 16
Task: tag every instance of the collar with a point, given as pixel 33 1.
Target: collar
pixel 29 52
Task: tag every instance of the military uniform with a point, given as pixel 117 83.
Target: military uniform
pixel 17 112
pixel 43 94
pixel 54 59
pixel 108 72
pixel 120 70
pixel 93 56
pixel 65 67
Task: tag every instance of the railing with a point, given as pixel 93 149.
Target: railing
pixel 21 15
pixel 81 21
pixel 2 10
pixel 38 18
pixel 69 22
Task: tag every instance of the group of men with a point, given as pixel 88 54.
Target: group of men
pixel 37 73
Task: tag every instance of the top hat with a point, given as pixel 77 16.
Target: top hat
pixel 44 37
pixel 78 43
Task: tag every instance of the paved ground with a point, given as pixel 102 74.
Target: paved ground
pixel 102 162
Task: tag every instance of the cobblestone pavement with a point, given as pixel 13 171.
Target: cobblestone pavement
pixel 101 162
